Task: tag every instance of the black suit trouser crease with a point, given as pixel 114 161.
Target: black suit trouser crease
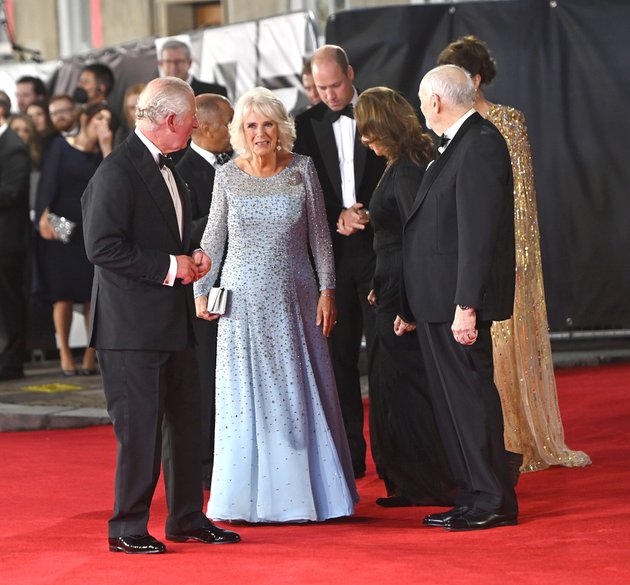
pixel 468 414
pixel 355 317
pixel 154 403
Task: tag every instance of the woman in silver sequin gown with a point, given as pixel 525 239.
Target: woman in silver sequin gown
pixel 281 453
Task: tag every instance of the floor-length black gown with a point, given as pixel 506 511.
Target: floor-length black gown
pixel 412 460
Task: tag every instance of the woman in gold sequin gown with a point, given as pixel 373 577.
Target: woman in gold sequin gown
pixel 522 351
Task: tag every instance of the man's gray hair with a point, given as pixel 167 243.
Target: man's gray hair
pixel 452 83
pixel 161 97
pixel 175 44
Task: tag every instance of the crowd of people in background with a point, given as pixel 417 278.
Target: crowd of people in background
pixel 322 229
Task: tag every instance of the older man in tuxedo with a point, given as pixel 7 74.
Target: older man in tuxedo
pixel 15 228
pixel 209 148
pixel 348 172
pixel 458 269
pixel 137 223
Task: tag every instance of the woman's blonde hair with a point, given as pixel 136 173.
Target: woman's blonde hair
pixel 263 102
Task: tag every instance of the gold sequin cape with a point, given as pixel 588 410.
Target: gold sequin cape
pixel 522 351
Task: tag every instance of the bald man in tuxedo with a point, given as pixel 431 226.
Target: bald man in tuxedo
pixel 458 276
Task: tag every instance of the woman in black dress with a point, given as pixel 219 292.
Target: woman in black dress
pixel 38 113
pixel 412 461
pixel 63 269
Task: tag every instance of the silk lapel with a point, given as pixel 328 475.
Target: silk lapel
pixel 156 186
pixel 434 170
pixel 184 193
pixel 325 137
pixel 360 158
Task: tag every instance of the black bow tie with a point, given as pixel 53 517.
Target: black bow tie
pixel 444 140
pixel 347 111
pixel 166 161
pixel 223 158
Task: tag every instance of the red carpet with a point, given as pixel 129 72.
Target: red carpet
pixel 56 495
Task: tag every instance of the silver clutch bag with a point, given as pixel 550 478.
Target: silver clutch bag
pixel 217 300
pixel 62 226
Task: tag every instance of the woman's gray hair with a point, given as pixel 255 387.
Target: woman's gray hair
pixel 161 97
pixel 265 103
pixel 450 82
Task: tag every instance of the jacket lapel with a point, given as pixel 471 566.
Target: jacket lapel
pixel 325 137
pixel 434 169
pixel 184 193
pixel 360 158
pixel 156 186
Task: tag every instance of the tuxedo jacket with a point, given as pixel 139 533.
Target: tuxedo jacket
pixel 199 176
pixel 316 138
pixel 130 230
pixel 15 168
pixel 458 241
pixel 200 87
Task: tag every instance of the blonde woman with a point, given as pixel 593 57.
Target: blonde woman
pixel 281 453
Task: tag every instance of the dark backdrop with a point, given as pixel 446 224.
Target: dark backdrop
pixel 565 65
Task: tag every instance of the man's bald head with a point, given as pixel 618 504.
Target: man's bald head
pixel 214 113
pixel 446 93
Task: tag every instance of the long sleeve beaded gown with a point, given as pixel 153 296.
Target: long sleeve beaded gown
pixel 522 351
pixel 281 453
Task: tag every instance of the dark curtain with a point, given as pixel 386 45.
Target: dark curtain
pixel 564 64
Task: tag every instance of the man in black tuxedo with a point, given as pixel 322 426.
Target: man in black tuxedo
pixel 15 228
pixel 458 269
pixel 175 60
pixel 209 148
pixel 137 224
pixel 348 173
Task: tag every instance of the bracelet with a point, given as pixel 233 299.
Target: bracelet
pixel 325 294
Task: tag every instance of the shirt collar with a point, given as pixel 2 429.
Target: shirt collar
pixel 453 128
pixel 154 150
pixel 205 154
pixel 355 97
pixel 3 128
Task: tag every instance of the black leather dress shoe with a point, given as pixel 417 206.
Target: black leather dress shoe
pixel 143 544
pixel 440 519
pixel 478 520
pixel 207 534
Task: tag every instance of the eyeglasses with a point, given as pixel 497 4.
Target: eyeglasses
pixel 176 62
pixel 60 111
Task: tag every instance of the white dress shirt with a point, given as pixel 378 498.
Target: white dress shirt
pixel 345 130
pixel 453 129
